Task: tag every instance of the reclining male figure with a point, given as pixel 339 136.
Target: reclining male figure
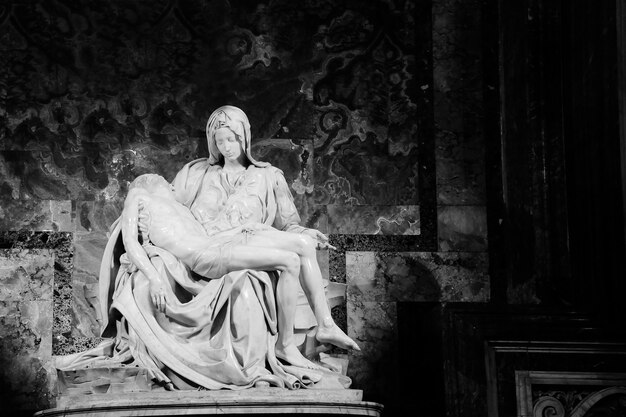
pixel 173 227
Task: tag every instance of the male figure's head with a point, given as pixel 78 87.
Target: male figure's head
pixel 154 184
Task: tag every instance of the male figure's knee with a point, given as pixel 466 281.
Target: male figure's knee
pixel 292 263
pixel 307 244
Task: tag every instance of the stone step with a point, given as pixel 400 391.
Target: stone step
pixel 223 402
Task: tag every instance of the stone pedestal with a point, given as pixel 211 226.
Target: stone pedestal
pixel 250 401
pixel 111 380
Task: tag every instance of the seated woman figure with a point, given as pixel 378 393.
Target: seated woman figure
pixel 171 226
pixel 218 332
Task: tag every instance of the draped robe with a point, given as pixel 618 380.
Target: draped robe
pixel 215 333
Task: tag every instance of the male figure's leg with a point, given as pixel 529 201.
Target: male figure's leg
pixel 310 280
pixel 288 263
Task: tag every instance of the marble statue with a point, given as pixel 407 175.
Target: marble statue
pixel 253 246
pixel 199 281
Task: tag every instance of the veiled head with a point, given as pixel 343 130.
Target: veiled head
pixel 234 119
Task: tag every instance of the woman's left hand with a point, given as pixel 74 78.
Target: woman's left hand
pixel 320 237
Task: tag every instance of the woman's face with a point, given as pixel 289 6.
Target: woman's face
pixel 228 145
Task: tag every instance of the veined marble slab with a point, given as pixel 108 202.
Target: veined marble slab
pixel 32 214
pixel 26 279
pixel 462 228
pixel 26 275
pixel 372 220
pixel 417 276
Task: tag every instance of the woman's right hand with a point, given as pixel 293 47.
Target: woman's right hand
pixel 321 238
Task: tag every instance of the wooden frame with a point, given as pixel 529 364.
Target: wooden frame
pixel 615 384
pixel 524 379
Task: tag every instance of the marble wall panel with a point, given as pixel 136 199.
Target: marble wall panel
pixel 417 276
pixel 295 158
pixel 372 220
pixel 26 275
pixel 61 243
pixel 337 74
pixel 95 216
pixel 25 175
pixel 27 376
pixel 462 228
pixel 458 108
pixel 85 306
pixel 362 174
pixel 378 243
pixel 373 325
pixel 44 175
pixel 34 214
pixel 344 92
pixel 313 215
pixel 331 71
pixel 27 373
pixel 460 169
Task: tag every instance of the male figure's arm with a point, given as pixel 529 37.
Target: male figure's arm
pixel 135 251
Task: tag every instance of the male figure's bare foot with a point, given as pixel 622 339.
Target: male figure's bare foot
pixel 292 355
pixel 329 332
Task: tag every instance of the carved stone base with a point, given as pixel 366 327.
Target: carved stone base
pixel 249 401
pixel 111 380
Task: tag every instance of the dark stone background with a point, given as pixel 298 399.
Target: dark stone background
pixel 374 110
pixel 96 93
pixel 463 155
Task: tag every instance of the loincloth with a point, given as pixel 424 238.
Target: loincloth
pixel 212 261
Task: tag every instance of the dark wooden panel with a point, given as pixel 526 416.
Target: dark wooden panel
pixel 596 215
